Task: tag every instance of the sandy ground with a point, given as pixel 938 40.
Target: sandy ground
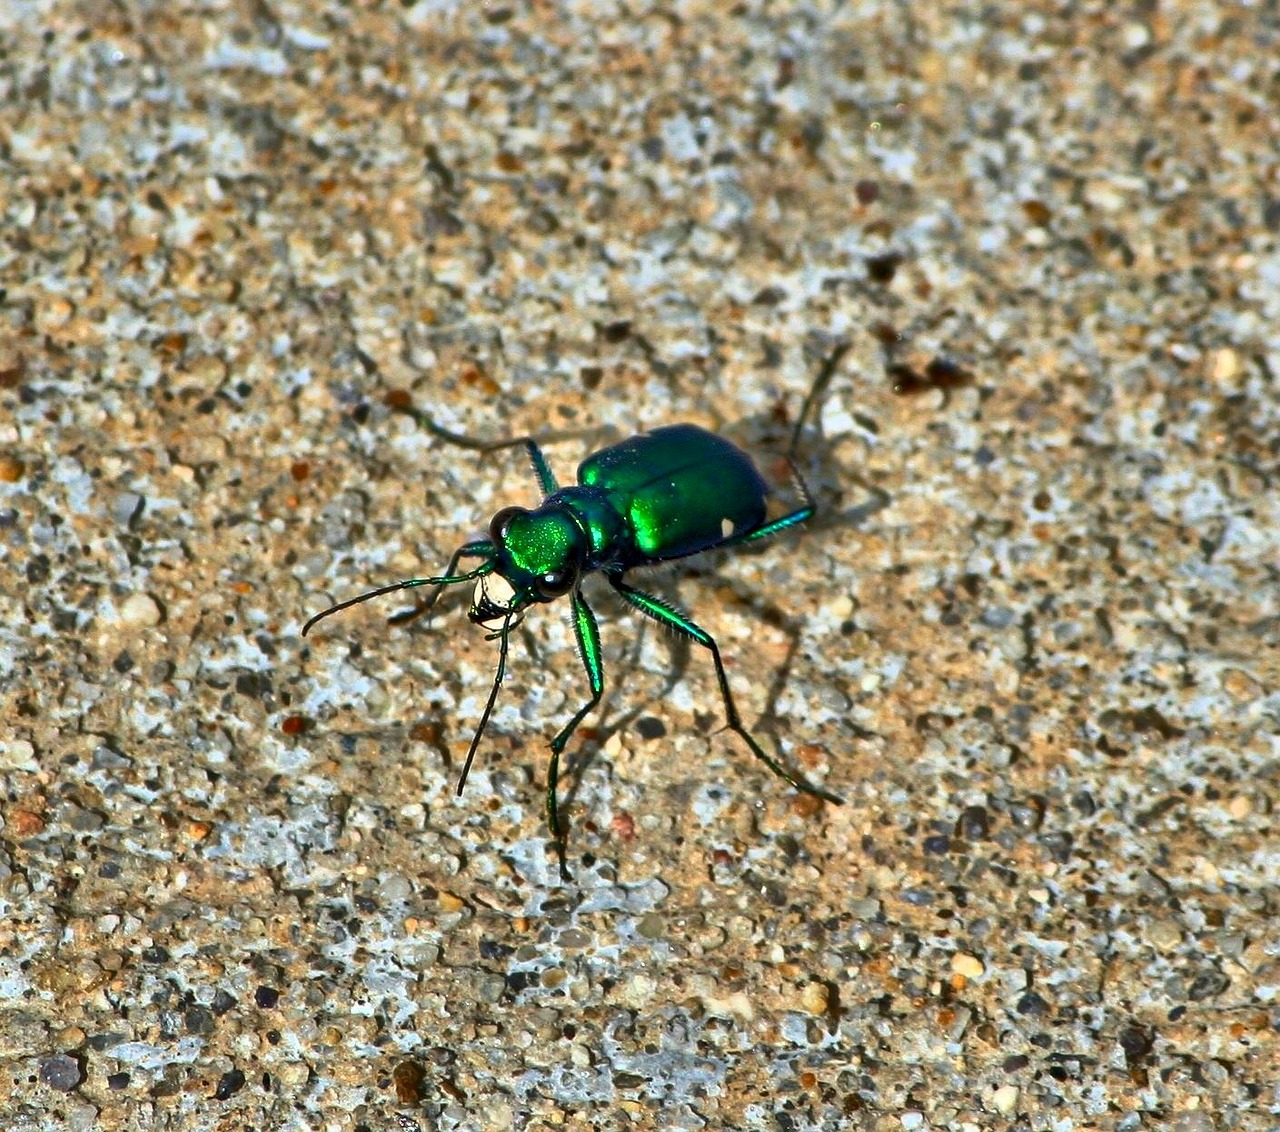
pixel 1030 638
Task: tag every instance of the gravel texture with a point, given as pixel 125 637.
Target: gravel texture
pixel 1031 637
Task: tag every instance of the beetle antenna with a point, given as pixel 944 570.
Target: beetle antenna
pixel 447 580
pixel 502 636
pixel 816 391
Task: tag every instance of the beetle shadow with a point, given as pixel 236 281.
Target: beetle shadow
pixel 791 627
pixel 762 609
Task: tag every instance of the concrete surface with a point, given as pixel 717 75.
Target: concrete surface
pixel 237 889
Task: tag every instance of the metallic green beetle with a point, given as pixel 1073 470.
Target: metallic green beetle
pixel 659 496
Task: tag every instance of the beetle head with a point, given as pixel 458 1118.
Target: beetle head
pixel 537 558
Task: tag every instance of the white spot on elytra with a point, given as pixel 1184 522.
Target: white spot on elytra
pixel 726 528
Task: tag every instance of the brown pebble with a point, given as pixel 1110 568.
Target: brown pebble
pixel 24 823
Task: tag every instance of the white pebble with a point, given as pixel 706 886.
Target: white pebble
pixel 18 754
pixel 1005 1099
pixel 140 611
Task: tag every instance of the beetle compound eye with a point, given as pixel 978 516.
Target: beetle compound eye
pixel 556 583
pixel 501 521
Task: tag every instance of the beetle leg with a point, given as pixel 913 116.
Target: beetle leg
pixel 482 548
pixel 541 469
pixel 588 633
pixel 790 519
pixel 503 636
pixel 662 613
pixel 816 391
pixel 546 478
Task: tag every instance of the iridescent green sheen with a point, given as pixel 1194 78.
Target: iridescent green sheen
pixel 543 541
pixel 679 490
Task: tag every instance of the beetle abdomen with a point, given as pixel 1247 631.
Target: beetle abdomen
pixel 681 489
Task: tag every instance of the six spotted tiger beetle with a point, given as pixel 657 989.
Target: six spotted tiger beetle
pixel 659 496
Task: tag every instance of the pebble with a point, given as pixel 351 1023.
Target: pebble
pixel 1165 935
pixel 126 507
pixel 651 926
pixel 841 609
pixel 18 754
pixel 450 902
pixel 1240 686
pixel 23 823
pixel 82 1118
pixel 637 990
pixel 970 966
pixel 1103 195
pixel 865 908
pixel 1005 1099
pixel 395 886
pixel 61 1072
pixel 1224 364
pixel 293 1074
pixel 816 998
pixel 1135 36
pixel 140 611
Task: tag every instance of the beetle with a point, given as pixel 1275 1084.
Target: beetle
pixel 659 496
